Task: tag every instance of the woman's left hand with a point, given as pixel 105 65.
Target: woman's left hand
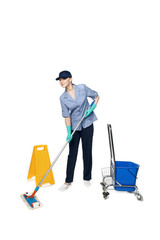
pixel 88 112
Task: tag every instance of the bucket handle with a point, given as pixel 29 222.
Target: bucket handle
pixel 132 173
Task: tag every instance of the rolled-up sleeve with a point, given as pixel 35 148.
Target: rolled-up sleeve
pixel 65 110
pixel 90 93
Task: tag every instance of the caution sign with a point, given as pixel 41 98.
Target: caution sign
pixel 39 165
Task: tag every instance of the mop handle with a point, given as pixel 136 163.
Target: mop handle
pixel 58 155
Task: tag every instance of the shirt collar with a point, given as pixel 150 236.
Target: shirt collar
pixel 76 92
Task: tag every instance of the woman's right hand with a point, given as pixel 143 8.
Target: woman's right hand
pixel 69 136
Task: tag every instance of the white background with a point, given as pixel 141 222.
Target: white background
pixel 112 47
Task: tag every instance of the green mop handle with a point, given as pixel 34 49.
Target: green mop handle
pixel 37 188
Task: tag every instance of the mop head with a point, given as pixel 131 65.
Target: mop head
pixel 31 202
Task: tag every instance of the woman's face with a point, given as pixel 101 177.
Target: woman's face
pixel 65 82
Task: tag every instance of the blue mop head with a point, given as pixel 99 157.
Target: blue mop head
pixel 32 202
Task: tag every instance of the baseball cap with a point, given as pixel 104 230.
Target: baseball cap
pixel 64 75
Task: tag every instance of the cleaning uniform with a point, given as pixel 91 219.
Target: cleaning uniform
pixel 75 109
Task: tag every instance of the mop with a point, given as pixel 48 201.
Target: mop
pixel 30 199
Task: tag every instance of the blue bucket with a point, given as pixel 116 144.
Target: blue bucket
pixel 126 174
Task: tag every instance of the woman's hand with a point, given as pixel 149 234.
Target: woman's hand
pixel 88 112
pixel 69 136
pixel 68 126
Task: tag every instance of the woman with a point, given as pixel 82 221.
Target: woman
pixel 74 105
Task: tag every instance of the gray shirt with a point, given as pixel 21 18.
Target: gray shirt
pixel 75 108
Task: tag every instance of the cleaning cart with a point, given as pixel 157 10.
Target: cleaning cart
pixel 120 175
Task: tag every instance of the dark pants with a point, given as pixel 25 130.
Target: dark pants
pixel 86 135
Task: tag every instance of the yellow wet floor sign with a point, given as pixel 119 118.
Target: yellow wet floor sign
pixel 39 165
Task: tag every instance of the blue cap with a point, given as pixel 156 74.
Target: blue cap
pixel 64 75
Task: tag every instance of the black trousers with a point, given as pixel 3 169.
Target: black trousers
pixel 86 135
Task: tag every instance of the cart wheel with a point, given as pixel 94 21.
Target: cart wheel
pixel 105 195
pixel 139 197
